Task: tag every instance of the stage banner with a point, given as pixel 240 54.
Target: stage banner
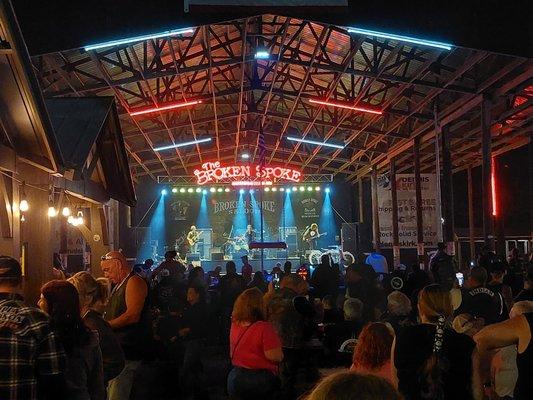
pixel 407 231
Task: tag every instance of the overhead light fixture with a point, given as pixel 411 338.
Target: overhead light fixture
pixel 204 191
pixel 294 188
pixel 392 36
pixel 309 189
pixel 347 106
pixel 212 190
pixel 274 189
pixel 164 192
pixel 23 205
pixel 226 190
pixel 182 190
pixel 65 211
pixel 174 190
pixel 327 190
pixel 220 190
pixel 267 189
pixel 302 188
pixel 241 191
pixel 262 54
pixel 245 156
pixel 315 142
pixel 317 188
pixel 173 146
pixel 165 107
pixel 198 190
pixel 190 190
pixel 79 218
pixel 141 38
pixel 52 212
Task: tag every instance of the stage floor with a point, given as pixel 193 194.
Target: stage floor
pixel 268 264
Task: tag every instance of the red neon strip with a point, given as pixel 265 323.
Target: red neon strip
pixel 346 106
pixel 493 189
pixel 165 108
pixel 251 183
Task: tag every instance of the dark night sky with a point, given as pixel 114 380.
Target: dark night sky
pixel 495 25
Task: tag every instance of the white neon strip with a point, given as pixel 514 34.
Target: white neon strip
pixel 251 183
pixel 182 144
pixel 164 108
pixel 262 55
pixel 401 38
pixel 340 105
pixel 326 144
pixel 118 42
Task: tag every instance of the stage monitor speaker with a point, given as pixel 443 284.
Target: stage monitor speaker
pixel 217 256
pixel 289 235
pixel 350 237
pixel 193 257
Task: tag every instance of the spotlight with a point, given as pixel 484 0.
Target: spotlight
pixel 302 188
pixel 52 212
pixel 327 190
pixel 182 190
pixel 204 191
pixel 261 54
pixel 226 190
pixel 190 190
pixel 309 188
pixel 274 189
pixel 212 190
pixel 241 191
pixel 281 189
pixel 252 191
pixel 174 190
pixel 79 219
pixel 65 211
pixel 220 190
pixel 164 192
pixel 245 156
pixel 198 190
pixel 24 206
pixel 294 188
pixel 317 188
pixel 267 189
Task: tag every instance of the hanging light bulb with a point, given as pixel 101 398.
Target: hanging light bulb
pixel 23 205
pixel 52 212
pixel 71 219
pixel 66 211
pixel 22 218
pixel 79 219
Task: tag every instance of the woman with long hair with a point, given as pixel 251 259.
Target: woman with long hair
pixel 255 350
pixel 372 353
pixel 430 360
pixel 84 374
pixel 93 296
pixel 353 386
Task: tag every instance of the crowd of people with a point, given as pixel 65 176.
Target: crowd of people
pixel 330 332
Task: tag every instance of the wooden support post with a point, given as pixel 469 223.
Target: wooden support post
pixel 361 201
pixel 530 162
pixel 471 228
pixel 394 206
pixel 486 153
pixel 375 210
pixel 418 196
pixel 447 191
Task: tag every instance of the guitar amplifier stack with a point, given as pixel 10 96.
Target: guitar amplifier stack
pixel 289 235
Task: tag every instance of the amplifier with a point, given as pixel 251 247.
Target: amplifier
pixel 217 256
pixel 193 257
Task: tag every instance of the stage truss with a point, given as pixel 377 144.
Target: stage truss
pixel 191 180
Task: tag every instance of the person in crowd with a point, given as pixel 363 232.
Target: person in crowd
pixel 496 284
pixel 325 278
pixel 467 324
pixel 398 313
pixel 521 307
pixel 93 297
pixel 231 286
pixel 441 267
pixel 255 350
pixel 167 284
pixel 526 294
pixel 353 386
pixel 214 276
pixel 292 316
pixel 127 313
pixel 517 331
pixel 361 284
pixel 197 278
pixel 349 328
pixel 84 373
pixel 28 371
pixel 431 361
pixel 332 314
pixel 479 301
pixel 372 353
pixel 246 270
pixel 193 334
pixel 259 282
pixel 287 268
pixel 378 262
pixel 486 257
pixel 416 281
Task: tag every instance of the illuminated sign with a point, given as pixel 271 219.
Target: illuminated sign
pixel 214 172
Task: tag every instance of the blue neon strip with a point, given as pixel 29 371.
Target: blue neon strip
pixel 118 42
pixel 336 146
pixel 408 39
pixel 182 144
pixel 262 55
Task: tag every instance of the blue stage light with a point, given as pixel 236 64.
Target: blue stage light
pixel 252 191
pixel 164 192
pixel 327 190
pixel 241 191
pixel 204 191
pixel 401 38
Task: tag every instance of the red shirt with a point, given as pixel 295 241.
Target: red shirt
pixel 250 352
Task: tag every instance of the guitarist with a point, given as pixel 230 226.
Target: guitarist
pixel 192 238
pixel 311 234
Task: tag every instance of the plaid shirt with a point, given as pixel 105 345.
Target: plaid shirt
pixel 28 349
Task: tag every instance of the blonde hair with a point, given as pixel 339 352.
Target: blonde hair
pixel 434 301
pixel 90 290
pixel 248 307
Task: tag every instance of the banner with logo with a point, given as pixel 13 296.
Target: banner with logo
pixel 407 230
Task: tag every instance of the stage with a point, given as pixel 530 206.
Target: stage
pixel 268 264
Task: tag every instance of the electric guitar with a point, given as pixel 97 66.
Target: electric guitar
pixel 314 237
pixel 193 239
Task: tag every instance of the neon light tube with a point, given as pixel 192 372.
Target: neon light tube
pixel 493 189
pixel 326 144
pixel 182 144
pixel 165 108
pixel 251 183
pixel 401 38
pixel 117 42
pixel 346 106
pixel 262 55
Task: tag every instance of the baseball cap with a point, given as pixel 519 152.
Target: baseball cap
pixel 115 255
pixel 10 269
